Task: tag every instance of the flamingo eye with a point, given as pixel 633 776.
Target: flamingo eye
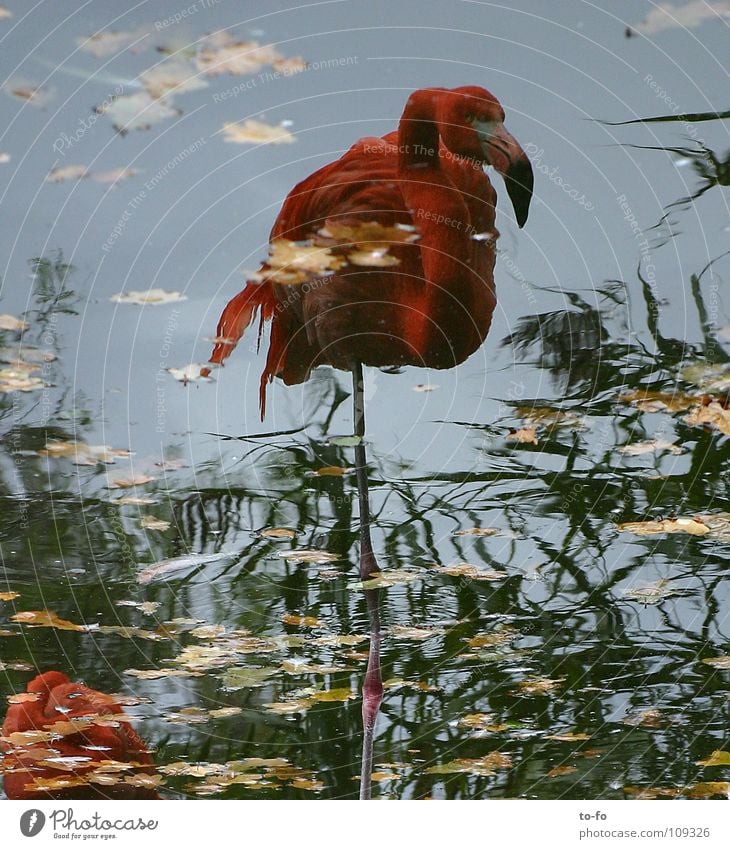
pixel 485 129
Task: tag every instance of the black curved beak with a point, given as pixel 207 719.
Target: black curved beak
pixel 506 155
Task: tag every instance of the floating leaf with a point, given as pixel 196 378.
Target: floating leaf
pixel 651 593
pixel 376 258
pixel 34 95
pixel 238 678
pixel 5 13
pixel 48 619
pixel 16 379
pixel 291 66
pixel 418 686
pixel 486 766
pixel 137 111
pixel 481 722
pixel 468 570
pixel 652 446
pixel 681 525
pixel 340 639
pixel 124 483
pixel 538 686
pixel 548 416
pixel 332 471
pixel 705 789
pixel 297 666
pixel 82 454
pixel 172 75
pixel 146 607
pixel 278 533
pixel 653 402
pixel 25 354
pixel 177 564
pixel 557 771
pixel 527 435
pixel 162 672
pixel 4 158
pixel 68 172
pixel 389 578
pixel 10 322
pixel 717 758
pixel 341 694
pixel 21 698
pixel 9 596
pixel 476 532
pixel 220 53
pixel 711 377
pixel 405 632
pixel 301 621
pixel 148 297
pixel 722 662
pixel 208 632
pixel 191 372
pixel 713 414
pixel 494 638
pixel 106 43
pixel 292 263
pixel 568 737
pixel 307 555
pixel 152 523
pixel 141 500
pixel 256 132
pixel 686 15
pixel 368 235
pixel 113 176
pixel 649 718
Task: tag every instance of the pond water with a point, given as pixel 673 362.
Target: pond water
pixel 576 658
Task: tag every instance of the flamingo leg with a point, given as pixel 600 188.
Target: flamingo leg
pixel 372 695
pixel 368 563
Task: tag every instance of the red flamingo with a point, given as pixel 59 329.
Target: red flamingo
pixel 420 193
pixel 434 307
pixel 29 764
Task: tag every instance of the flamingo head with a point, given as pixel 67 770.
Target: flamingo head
pixel 471 125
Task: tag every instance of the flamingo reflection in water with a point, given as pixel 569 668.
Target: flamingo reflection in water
pixel 63 740
pixel 386 258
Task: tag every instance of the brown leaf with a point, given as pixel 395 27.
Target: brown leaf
pixel 527 434
pixel 48 619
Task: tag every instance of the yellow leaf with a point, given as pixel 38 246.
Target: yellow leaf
pixel 256 132
pixel 538 686
pixel 148 297
pixel 568 737
pixel 10 322
pixel 301 621
pixel 681 525
pixel 9 596
pixel 717 758
pixel 722 662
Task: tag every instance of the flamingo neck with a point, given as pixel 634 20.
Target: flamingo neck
pixel 418 133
